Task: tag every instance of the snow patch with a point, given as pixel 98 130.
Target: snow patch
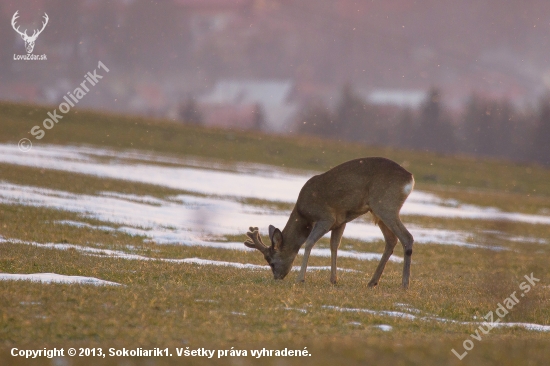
pixel 195 220
pixel 401 315
pixel 55 278
pixel 98 252
pixel 240 180
pixel 384 327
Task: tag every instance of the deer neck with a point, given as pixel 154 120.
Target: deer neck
pixel 295 233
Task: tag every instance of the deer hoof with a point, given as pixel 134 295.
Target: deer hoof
pixel 372 284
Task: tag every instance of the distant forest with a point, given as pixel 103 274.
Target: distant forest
pixel 487 128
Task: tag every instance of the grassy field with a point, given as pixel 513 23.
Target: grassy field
pixel 164 304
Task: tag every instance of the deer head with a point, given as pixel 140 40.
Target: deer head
pixel 29 40
pixel 280 264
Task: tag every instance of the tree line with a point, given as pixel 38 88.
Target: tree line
pixel 485 127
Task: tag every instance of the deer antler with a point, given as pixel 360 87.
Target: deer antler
pixel 13 19
pixel 256 240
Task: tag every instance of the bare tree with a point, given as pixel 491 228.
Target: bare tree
pixel 435 132
pixel 189 112
pixel 541 141
pixel 317 119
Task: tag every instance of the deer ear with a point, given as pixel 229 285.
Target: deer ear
pixel 277 240
pixel 271 231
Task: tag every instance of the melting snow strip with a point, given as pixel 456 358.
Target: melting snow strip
pixel 408 308
pixel 56 278
pixel 255 182
pixel 97 252
pixel 401 315
pixel 303 311
pixel 316 252
pixel 195 219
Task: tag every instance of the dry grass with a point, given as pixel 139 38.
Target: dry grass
pixel 184 305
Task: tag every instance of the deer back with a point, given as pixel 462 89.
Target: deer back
pixel 352 188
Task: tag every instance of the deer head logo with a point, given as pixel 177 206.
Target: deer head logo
pixel 29 40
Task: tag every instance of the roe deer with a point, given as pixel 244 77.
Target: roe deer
pixel 328 201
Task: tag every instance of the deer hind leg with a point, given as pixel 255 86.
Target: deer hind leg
pixel 391 241
pixel 407 241
pixel 319 229
pixel 393 223
pixel 335 238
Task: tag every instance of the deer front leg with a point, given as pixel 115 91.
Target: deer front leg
pixel 319 229
pixel 335 238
